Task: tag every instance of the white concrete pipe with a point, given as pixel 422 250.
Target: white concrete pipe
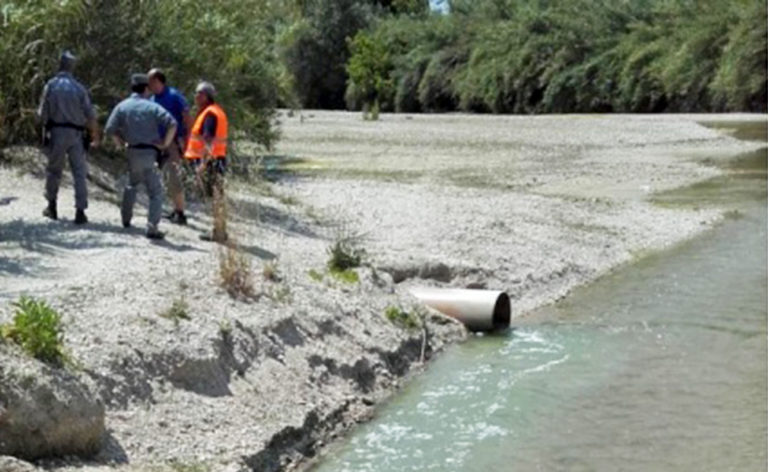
pixel 479 310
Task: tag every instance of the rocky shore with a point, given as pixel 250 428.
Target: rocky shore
pixel 531 205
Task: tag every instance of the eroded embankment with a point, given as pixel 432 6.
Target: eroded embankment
pixel 262 384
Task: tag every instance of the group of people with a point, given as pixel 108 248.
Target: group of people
pixel 155 128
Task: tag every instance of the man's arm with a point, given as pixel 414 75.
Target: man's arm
pixel 42 110
pixel 92 124
pixel 111 128
pixel 170 133
pixel 209 133
pixel 186 118
pixel 93 129
pixel 166 119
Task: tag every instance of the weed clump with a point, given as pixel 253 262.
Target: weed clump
pixel 347 276
pixel 404 319
pixel 36 327
pixel 270 271
pixel 235 272
pixel 345 254
pixel 410 320
pixel 178 311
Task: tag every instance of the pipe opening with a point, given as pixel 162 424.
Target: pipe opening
pixel 501 312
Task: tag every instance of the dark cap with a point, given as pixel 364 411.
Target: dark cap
pixel 67 55
pixel 66 60
pixel 139 79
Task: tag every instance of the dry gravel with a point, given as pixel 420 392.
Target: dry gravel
pixel 531 205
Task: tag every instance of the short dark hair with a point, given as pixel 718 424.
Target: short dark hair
pixel 157 74
pixel 139 88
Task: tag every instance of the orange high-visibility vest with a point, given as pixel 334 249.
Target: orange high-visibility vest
pixel 196 144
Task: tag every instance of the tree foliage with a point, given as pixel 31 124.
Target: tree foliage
pixel 538 56
pixel 114 39
pixel 500 56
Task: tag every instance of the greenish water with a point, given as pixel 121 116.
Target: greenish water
pixel 661 365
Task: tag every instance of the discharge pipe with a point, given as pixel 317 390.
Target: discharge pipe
pixel 478 310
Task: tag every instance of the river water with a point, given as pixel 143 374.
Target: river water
pixel 661 365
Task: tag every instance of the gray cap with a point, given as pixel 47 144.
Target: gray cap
pixel 139 79
pixel 207 88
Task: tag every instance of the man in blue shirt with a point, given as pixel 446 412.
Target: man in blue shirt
pixel 175 103
pixel 134 123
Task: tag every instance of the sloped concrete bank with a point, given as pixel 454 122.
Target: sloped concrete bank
pixel 266 383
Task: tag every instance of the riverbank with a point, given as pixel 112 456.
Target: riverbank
pixel 531 205
pixel 659 365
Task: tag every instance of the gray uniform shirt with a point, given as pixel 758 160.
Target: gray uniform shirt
pixel 65 101
pixel 136 120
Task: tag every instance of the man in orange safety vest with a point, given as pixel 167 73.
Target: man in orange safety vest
pixel 207 150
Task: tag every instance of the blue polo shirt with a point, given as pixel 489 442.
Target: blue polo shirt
pixel 173 101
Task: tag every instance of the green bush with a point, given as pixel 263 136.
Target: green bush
pixel 345 253
pixel 36 327
pixel 369 70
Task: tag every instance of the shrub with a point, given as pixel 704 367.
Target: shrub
pixel 369 70
pixel 345 253
pixel 36 327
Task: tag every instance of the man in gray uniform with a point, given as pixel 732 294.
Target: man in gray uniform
pixel 66 110
pixel 135 123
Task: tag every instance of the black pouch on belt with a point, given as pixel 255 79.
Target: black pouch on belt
pixel 158 153
pixel 162 158
pixel 86 140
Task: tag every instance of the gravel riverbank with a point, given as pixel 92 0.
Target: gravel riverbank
pixel 531 205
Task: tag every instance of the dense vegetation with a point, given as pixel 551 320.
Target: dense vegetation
pixel 540 56
pixel 519 56
pixel 113 39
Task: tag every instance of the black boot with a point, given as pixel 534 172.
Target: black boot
pixel 80 218
pixel 50 211
pixel 178 217
pixel 154 233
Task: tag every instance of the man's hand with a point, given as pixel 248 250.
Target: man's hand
pixel 119 143
pixel 170 134
pixel 93 128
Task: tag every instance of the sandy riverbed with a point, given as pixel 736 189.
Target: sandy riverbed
pixel 530 205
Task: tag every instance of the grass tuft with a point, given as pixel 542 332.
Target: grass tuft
pixel 348 276
pixel 404 319
pixel 270 271
pixel 235 272
pixel 36 327
pixel 178 311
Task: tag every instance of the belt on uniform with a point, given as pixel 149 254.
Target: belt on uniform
pixel 52 124
pixel 145 146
